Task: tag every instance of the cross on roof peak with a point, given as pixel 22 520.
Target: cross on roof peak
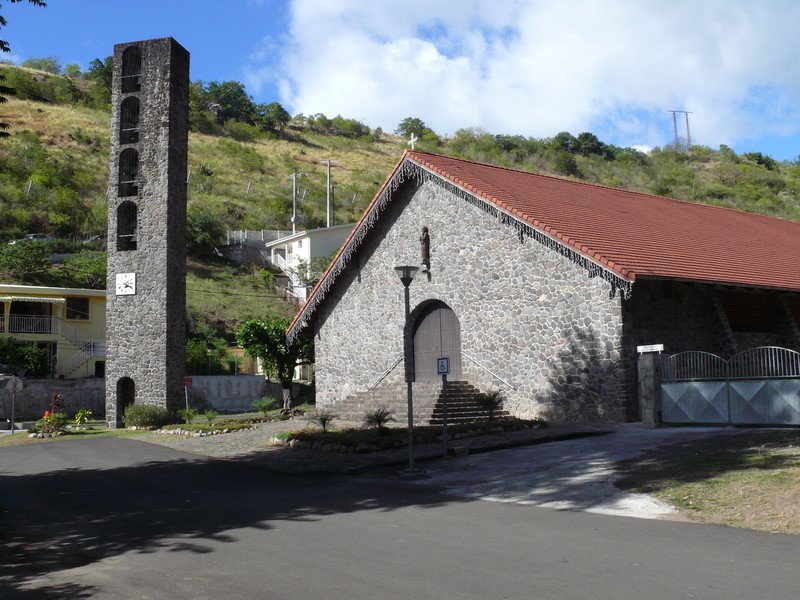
pixel 413 140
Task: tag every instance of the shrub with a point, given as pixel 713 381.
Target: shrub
pixel 188 414
pixel 82 417
pixel 265 404
pixel 323 418
pixel 491 402
pixel 210 415
pixel 379 418
pixel 52 422
pixel 145 415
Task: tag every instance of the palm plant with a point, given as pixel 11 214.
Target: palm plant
pixel 379 418
pixel 491 402
pixel 323 419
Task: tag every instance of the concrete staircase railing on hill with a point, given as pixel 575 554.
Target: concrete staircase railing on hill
pixel 428 403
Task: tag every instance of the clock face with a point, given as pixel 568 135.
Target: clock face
pixel 126 284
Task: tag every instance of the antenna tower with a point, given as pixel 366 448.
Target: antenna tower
pixel 686 114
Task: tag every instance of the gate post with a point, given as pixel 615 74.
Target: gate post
pixel 648 389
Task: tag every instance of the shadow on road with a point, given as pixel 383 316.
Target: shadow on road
pixel 60 519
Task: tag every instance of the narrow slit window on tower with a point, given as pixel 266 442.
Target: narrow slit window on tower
pixel 129 121
pixel 127 226
pixel 129 172
pixel 131 70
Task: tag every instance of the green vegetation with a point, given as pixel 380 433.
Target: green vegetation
pixel 52 423
pixel 145 415
pixel 266 341
pixel 265 405
pixel 188 414
pixel 82 417
pixel 491 402
pixel 379 419
pixel 322 419
pixel 29 358
pixel 54 179
pixel 372 438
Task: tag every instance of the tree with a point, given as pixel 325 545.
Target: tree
pixel 4 90
pixel 230 101
pixel 85 269
pixel 266 341
pixel 411 125
pixel 205 230
pixel 206 353
pixel 309 272
pixel 73 71
pixel 588 144
pixel 764 160
pixel 417 126
pixel 565 141
pixel 25 262
pixel 29 359
pixel 100 73
pixel 48 64
pixel 272 116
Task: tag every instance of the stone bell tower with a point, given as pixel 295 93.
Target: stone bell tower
pixel 146 292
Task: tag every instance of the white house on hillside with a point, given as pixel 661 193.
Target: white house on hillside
pixel 289 252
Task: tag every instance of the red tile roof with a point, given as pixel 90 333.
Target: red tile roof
pixel 636 234
pixel 632 234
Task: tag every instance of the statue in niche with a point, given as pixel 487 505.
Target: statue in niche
pixel 425 249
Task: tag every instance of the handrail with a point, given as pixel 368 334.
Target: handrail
pixel 476 363
pixel 386 373
pixel 290 271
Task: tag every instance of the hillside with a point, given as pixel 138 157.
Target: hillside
pixel 54 173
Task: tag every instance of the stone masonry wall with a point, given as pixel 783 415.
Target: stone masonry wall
pixel 528 315
pixel 146 331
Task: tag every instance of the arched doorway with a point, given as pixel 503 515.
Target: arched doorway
pixel 126 394
pixel 437 333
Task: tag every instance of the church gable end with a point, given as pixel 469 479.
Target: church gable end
pixel 534 321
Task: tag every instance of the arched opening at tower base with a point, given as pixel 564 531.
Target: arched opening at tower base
pixel 126 394
pixel 436 334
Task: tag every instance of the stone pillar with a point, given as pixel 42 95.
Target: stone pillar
pixel 648 390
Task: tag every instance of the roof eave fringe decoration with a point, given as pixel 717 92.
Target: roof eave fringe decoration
pixel 408 169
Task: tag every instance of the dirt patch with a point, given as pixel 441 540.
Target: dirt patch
pixel 745 479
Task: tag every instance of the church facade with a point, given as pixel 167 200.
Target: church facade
pixel 542 287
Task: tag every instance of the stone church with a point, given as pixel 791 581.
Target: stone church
pixel 543 288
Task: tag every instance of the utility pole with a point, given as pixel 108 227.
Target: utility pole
pixel 329 198
pixel 294 177
pixel 675 127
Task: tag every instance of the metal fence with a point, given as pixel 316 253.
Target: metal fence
pixel 760 386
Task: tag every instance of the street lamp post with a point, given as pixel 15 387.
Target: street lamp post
pixel 406 274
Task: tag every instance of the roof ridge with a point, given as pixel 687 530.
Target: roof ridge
pixel 592 184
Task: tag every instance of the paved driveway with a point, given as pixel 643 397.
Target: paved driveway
pixel 567 475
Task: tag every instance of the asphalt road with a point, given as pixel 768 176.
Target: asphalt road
pixel 117 518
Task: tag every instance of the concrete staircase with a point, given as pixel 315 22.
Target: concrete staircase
pixel 428 404
pixel 461 405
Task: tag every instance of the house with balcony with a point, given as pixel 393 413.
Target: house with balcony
pixel 293 254
pixel 69 322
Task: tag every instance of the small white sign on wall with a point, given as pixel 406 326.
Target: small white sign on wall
pixel 651 348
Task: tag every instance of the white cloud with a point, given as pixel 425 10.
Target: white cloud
pixel 537 67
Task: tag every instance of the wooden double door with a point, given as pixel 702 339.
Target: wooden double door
pixel 437 333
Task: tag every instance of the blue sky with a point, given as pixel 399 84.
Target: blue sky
pixel 529 67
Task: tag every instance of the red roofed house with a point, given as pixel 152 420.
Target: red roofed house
pixel 543 288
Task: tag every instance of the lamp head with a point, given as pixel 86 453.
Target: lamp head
pixel 406 273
